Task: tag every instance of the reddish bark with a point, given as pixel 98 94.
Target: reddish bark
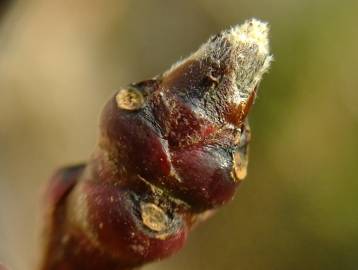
pixel 171 149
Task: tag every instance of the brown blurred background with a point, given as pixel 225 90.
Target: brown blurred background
pixel 60 60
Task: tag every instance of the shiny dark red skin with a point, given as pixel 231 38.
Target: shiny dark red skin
pixel 181 142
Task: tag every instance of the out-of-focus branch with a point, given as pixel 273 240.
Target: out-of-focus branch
pixel 4 7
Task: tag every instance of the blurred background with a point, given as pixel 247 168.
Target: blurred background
pixel 61 60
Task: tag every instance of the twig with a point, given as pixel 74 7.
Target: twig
pixel 171 150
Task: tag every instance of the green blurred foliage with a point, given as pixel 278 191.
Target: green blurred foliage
pixel 60 61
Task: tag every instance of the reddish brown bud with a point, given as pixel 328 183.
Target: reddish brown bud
pixel 170 149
